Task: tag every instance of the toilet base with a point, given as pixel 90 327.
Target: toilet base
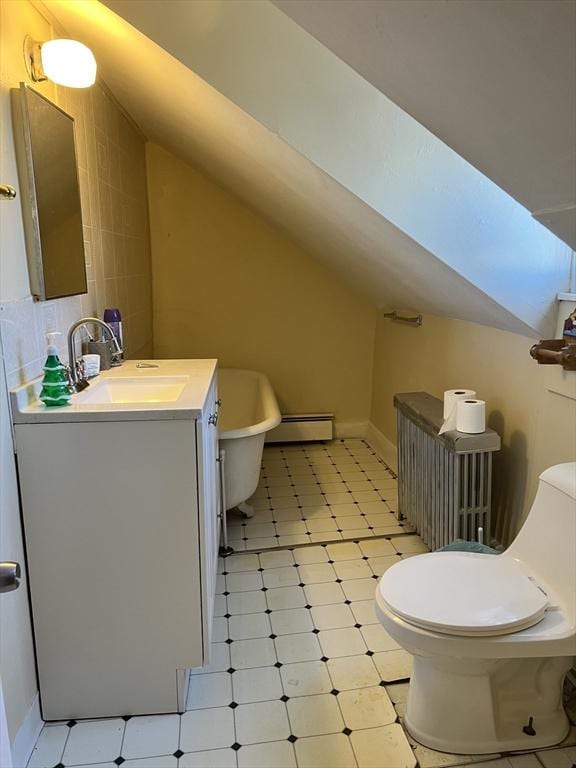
pixel 483 706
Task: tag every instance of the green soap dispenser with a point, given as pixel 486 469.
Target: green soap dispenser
pixel 55 388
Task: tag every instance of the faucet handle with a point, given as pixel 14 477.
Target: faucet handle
pixel 81 380
pixel 71 384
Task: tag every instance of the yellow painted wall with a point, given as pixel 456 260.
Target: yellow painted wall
pixel 538 427
pixel 227 284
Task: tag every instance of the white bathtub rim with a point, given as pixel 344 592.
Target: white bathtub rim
pixel 270 404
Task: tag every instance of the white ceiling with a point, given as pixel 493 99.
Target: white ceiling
pixel 494 79
pixel 182 112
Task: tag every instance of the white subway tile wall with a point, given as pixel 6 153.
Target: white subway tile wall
pixel 112 174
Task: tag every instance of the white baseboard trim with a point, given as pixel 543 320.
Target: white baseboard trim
pixel 27 735
pixel 344 429
pixel 383 447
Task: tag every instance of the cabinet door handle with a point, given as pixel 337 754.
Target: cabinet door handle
pixel 219 402
pixel 213 419
pixel 9 576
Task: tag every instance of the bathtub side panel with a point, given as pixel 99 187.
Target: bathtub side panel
pixel 242 467
pixel 249 405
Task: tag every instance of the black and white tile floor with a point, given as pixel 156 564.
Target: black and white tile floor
pixel 302 676
pixel 318 493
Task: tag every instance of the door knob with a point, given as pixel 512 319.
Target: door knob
pixel 9 576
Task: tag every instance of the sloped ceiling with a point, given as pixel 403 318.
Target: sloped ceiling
pixel 179 110
pixel 496 81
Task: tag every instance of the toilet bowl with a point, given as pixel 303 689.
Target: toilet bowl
pixel 492 636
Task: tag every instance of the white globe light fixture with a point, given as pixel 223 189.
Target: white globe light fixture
pixel 63 61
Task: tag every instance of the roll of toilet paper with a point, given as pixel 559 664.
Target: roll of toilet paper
pixel 471 416
pixel 451 397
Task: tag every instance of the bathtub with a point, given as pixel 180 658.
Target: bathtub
pixel 249 410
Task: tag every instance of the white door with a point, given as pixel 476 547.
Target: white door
pixel 16 647
pixel 5 754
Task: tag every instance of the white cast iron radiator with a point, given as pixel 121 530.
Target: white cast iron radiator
pixel 444 481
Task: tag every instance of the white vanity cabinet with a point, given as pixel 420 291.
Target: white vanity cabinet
pixel 120 515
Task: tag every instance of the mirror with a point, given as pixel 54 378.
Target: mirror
pixel 46 156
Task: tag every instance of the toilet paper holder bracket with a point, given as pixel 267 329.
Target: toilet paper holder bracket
pixel 416 320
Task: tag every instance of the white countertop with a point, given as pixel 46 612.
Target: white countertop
pixel 193 379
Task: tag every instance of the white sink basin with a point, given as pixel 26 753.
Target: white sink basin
pixel 150 389
pixel 136 391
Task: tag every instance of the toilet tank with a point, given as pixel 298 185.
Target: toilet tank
pixel 546 542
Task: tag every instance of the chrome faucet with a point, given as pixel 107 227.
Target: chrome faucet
pixel 77 377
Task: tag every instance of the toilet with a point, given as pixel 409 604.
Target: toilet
pixel 492 636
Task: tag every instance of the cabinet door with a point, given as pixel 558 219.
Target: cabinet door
pixel 112 538
pixel 209 503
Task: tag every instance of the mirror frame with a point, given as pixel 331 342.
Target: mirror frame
pixel 23 141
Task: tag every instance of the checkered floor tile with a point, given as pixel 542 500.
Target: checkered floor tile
pixel 302 674
pixel 311 492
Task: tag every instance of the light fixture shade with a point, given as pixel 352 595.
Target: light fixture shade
pixel 68 62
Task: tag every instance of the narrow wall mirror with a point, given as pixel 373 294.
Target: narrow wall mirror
pixel 50 195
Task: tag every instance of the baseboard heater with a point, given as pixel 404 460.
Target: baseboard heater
pixel 300 427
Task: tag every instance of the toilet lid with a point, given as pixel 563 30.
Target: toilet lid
pixel 463 593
